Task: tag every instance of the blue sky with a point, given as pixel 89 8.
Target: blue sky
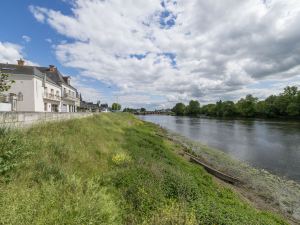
pixel 159 52
pixel 17 21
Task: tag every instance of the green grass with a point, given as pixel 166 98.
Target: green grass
pixel 109 169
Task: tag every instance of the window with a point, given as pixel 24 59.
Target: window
pixel 20 96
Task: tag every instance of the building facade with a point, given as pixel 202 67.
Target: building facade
pixel 40 89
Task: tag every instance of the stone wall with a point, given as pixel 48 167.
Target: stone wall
pixel 25 119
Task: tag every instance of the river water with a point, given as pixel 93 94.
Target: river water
pixel 266 144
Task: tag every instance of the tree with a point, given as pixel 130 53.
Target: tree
pixel 5 83
pixel 228 109
pixel 116 107
pixel 290 91
pixel 143 110
pixel 293 109
pixel 179 109
pixel 193 108
pixel 246 106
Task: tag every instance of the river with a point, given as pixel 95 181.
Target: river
pixel 266 144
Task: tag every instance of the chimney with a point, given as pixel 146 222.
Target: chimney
pixel 21 62
pixel 52 68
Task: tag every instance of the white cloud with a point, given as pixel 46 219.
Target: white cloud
pixel 38 13
pixel 220 49
pixel 10 53
pixel 26 38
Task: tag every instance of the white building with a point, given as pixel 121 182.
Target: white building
pixel 41 89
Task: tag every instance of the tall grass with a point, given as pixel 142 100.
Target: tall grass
pixel 109 169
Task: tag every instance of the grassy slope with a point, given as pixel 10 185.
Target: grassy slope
pixel 109 169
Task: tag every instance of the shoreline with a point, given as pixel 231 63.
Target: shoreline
pixel 259 187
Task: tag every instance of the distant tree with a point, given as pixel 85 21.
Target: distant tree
pixel 143 110
pixel 228 109
pixel 116 106
pixel 179 109
pixel 193 108
pixel 290 91
pixel 208 110
pixel 246 106
pixel 5 82
pixel 293 109
pixel 286 104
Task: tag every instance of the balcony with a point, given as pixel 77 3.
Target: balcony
pixel 52 97
pixel 70 97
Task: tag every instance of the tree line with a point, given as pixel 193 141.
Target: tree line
pixel 286 104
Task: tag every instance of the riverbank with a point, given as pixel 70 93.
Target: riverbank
pixel 110 169
pixel 265 190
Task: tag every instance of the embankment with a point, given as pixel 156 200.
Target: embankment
pixel 110 169
pixel 259 186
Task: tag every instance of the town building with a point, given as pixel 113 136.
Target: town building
pixel 40 89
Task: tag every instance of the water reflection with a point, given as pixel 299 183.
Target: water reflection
pixel 272 145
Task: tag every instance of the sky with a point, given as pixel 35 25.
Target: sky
pixel 154 53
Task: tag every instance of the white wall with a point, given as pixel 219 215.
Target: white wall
pixel 38 95
pixel 5 107
pixel 25 85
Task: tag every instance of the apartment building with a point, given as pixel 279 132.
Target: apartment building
pixel 40 89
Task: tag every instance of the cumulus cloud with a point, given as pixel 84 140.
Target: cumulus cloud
pixel 180 49
pixel 10 53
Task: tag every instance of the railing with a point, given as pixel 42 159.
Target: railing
pixel 69 97
pixel 4 98
pixel 52 96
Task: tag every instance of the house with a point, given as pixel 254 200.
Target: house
pixel 104 108
pixel 41 89
pixel 89 106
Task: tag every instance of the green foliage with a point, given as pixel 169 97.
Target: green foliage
pixel 179 109
pixel 246 106
pixel 5 82
pixel 193 108
pixel 116 106
pixel 110 169
pixel 286 104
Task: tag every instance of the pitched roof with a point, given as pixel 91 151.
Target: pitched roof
pixel 15 69
pixel 54 77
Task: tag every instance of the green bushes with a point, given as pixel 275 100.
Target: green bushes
pixel 110 169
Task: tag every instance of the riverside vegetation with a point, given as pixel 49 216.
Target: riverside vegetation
pixel 284 105
pixel 110 169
